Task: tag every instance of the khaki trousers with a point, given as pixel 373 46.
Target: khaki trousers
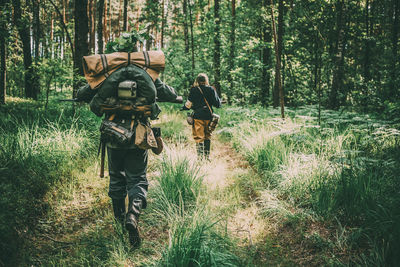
pixel 200 130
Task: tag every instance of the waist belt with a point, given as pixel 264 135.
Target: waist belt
pixel 142 110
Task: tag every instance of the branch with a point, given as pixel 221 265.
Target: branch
pixel 65 27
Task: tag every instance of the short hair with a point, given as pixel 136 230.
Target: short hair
pixel 202 79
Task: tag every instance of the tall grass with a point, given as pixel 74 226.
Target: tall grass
pixel 180 200
pixel 170 122
pixel 38 149
pixel 345 169
pixel 179 185
pixel 194 241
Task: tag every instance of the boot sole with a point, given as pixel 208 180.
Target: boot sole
pixel 134 232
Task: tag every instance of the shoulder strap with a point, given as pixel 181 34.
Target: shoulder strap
pixel 205 100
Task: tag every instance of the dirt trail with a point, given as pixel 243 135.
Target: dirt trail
pixel 84 218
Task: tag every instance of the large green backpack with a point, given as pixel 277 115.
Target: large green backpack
pixel 146 92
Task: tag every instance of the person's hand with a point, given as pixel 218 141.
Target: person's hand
pixel 179 99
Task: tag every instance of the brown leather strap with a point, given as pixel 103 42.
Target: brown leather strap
pixel 111 117
pixel 205 100
pixel 143 108
pixel 132 123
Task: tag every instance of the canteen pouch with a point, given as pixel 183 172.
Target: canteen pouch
pixel 214 122
pixel 115 133
pixel 160 143
pixel 127 90
pixel 189 118
pixel 144 136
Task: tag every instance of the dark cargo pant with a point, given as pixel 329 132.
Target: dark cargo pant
pixel 127 169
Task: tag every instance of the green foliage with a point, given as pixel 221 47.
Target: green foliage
pixel 126 43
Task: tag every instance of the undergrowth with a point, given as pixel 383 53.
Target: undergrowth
pixel 345 169
pixel 38 149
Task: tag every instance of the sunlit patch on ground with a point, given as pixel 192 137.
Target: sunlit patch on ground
pixel 247 225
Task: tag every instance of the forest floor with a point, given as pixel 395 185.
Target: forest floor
pixel 80 230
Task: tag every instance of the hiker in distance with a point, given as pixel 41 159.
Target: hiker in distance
pixel 202 98
pixel 124 87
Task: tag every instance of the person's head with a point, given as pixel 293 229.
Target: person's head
pixel 202 79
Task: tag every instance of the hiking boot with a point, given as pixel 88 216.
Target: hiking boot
pixel 200 150
pixel 207 146
pixel 119 209
pixel 133 230
pixel 131 222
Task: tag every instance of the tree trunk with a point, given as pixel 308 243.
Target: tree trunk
pixel 3 66
pixel 92 25
pixel 185 26
pixel 31 79
pixel 394 90
pixel 109 31
pixel 278 62
pixel 276 93
pixel 36 28
pixel 367 46
pixel 81 41
pixel 231 60
pixel 266 60
pixel 105 21
pixel 217 48
pixel 125 27
pixel 52 35
pixel 100 43
pixel 191 37
pixel 163 17
pixel 64 18
pixel 337 78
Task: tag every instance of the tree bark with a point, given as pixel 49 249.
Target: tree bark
pixel 337 78
pixel 231 59
pixel 276 93
pixel 217 48
pixel 52 35
pixel 278 63
pixel 100 43
pixel 125 27
pixel 185 26
pixel 31 79
pixel 367 46
pixel 109 31
pixel 163 16
pixel 394 90
pixel 266 60
pixel 105 21
pixel 3 66
pixel 81 41
pixel 191 37
pixel 92 24
pixel 36 27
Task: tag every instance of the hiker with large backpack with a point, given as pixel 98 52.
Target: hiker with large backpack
pixel 124 87
pixel 202 98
